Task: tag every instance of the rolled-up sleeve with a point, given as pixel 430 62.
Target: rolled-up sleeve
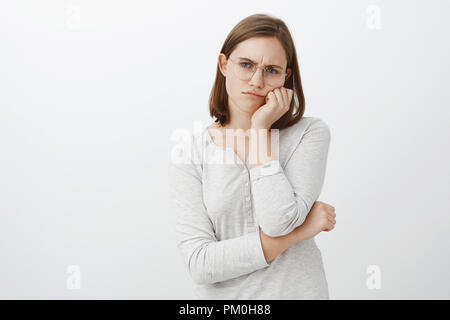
pixel 207 259
pixel 283 197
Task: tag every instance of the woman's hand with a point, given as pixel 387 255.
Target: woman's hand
pixel 321 217
pixel 277 104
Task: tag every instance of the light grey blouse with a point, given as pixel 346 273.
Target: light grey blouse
pixel 221 204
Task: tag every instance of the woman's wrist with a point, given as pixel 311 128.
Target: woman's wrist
pixel 301 233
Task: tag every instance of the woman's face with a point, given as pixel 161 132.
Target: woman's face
pixel 264 51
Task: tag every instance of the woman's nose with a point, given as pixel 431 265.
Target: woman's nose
pixel 258 78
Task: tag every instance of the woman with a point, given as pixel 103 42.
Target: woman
pixel 246 227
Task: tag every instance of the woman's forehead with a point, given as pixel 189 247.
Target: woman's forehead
pixel 268 51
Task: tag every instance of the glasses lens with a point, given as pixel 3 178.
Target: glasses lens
pixel 273 76
pixel 245 70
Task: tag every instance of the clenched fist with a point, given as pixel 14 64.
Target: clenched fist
pixel 321 217
pixel 277 103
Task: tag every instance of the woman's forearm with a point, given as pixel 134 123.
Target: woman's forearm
pixel 274 246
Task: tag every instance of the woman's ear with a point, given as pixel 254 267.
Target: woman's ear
pixel 223 64
pixel 289 72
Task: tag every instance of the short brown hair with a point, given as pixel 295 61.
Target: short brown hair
pixel 260 25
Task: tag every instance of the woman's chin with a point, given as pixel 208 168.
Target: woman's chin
pixel 251 106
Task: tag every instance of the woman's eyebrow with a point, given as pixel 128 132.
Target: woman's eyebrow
pixel 269 65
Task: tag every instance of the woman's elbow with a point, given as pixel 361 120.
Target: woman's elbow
pixel 200 268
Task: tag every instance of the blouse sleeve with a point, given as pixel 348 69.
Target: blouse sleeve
pixel 207 259
pixel 283 197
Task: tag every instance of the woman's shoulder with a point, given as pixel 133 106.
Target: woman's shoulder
pixel 306 125
pixel 308 122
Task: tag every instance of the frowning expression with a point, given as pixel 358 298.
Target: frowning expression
pixel 264 52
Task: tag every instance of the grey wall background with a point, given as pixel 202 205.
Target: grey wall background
pixel 91 91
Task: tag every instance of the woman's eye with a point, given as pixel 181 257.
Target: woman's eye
pixel 242 64
pixel 274 71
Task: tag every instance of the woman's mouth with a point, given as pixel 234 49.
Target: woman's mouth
pixel 253 95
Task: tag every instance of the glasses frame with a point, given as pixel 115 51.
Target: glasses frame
pixel 255 68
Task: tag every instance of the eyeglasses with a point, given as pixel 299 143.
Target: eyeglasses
pixel 245 70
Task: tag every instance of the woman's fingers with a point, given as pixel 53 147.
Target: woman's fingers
pixel 331 211
pixel 329 227
pixel 284 93
pixel 331 219
pixel 279 96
